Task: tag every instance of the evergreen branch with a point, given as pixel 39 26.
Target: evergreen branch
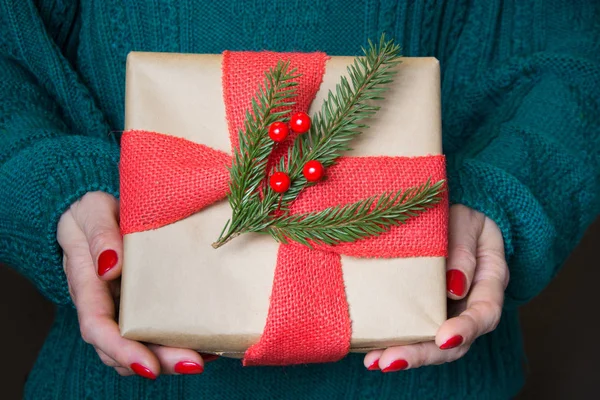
pixel 365 218
pixel 341 117
pixel 271 103
pixel 340 120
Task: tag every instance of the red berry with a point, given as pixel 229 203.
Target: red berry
pixel 300 122
pixel 278 131
pixel 279 182
pixel 313 170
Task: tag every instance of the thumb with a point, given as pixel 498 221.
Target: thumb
pixel 97 216
pixel 464 230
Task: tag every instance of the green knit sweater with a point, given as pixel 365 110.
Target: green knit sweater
pixel 521 123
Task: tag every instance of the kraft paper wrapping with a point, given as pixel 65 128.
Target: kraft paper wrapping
pixel 178 291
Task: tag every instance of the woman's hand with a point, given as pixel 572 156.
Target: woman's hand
pixel 93 249
pixel 477 276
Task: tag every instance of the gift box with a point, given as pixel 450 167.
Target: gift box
pixel 178 291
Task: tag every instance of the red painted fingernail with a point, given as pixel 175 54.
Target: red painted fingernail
pixel 142 371
pixel 456 281
pixel 453 342
pixel 397 365
pixel 209 357
pixel 188 367
pixel 107 261
pixel 374 365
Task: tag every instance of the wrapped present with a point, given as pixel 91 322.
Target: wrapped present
pixel 269 302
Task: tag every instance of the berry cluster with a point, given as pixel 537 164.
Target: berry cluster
pixel 278 131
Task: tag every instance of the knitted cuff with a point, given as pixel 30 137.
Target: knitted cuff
pixel 54 174
pixel 475 185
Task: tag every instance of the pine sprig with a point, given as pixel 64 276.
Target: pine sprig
pixel 339 120
pixel 342 114
pixel 258 208
pixel 348 223
pixel 272 103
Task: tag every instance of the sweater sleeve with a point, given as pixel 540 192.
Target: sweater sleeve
pixel 529 157
pixel 54 142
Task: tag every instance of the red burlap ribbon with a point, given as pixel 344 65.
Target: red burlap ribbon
pixel 165 179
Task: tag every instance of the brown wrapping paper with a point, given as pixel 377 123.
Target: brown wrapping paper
pixel 178 291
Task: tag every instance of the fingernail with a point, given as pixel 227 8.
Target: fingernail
pixel 188 367
pixel 456 282
pixel 453 342
pixel 209 357
pixel 107 261
pixel 397 365
pixel 142 371
pixel 374 365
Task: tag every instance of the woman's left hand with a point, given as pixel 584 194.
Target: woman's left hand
pixel 477 276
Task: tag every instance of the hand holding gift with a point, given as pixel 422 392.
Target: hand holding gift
pixel 477 277
pixel 93 249
pixel 91 241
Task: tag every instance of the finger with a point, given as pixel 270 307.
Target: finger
pixel 371 360
pixel 71 239
pixel 491 253
pixel 484 304
pixel 99 329
pixel 465 227
pixel 178 361
pixel 97 216
pixel 95 308
pixel 417 355
pixel 108 361
pixel 102 332
pixel 63 234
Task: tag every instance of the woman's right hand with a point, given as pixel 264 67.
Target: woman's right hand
pixel 89 235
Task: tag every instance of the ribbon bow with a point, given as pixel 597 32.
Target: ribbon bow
pixel 165 179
